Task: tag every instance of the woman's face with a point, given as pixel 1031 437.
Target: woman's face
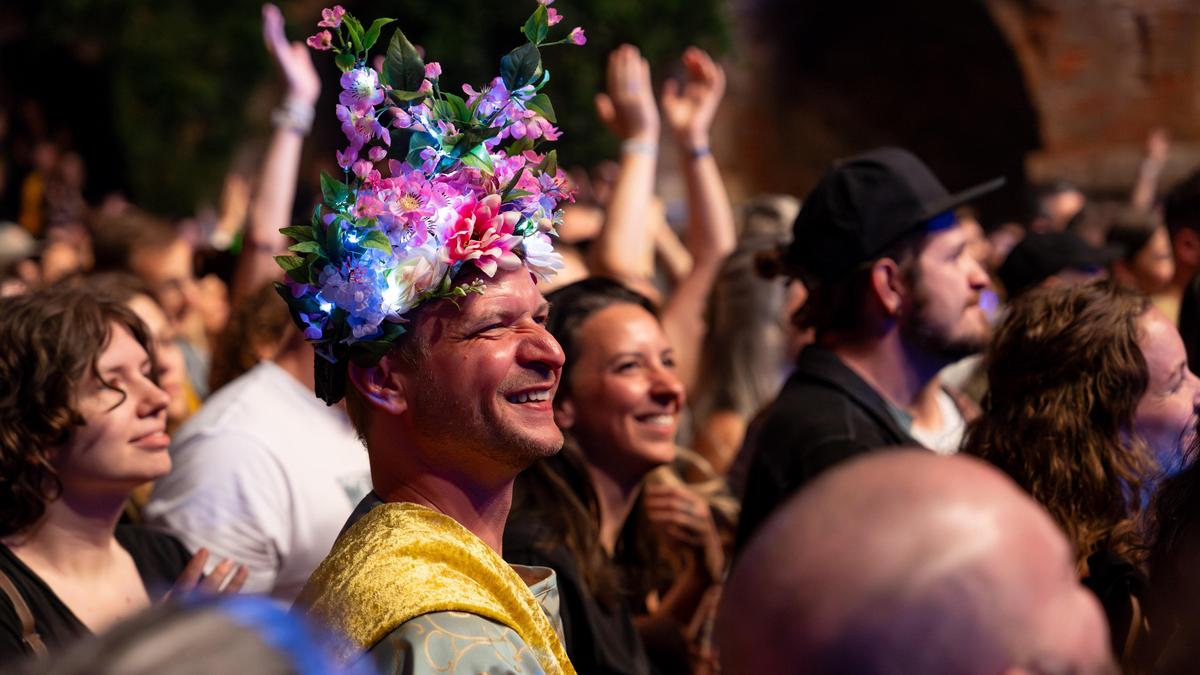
pixel 624 400
pixel 1166 416
pixel 1154 265
pixel 123 441
pixel 172 369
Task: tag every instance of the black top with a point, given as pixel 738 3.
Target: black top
pixel 825 414
pixel 160 558
pixel 598 639
pixel 1117 584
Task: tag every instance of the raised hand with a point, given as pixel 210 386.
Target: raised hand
pixel 689 107
pixel 192 579
pixel 293 58
pixel 1158 146
pixel 628 108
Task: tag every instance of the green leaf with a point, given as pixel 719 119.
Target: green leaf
pixel 550 163
pixel 521 66
pixel 316 219
pixel 305 247
pixel 512 183
pixel 403 68
pixel 514 194
pixel 298 232
pixel 459 106
pixel 333 242
pixel 521 145
pixel 356 32
pixel 377 240
pixel 479 158
pixel 289 262
pixel 406 96
pixel 540 104
pixel 335 192
pixel 344 62
pixel 372 34
pixel 537 25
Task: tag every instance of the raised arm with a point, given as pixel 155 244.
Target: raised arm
pixel 688 110
pixel 624 248
pixel 271 208
pixel 1146 185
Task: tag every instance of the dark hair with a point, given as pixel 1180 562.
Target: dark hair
pixel 1131 230
pixel 1181 208
pixel 557 492
pixel 51 341
pixel 1174 550
pixel 1065 376
pixel 258 321
pixel 120 286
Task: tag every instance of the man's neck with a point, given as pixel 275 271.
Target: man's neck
pixel 897 372
pixel 481 510
pixel 75 535
pixel 616 501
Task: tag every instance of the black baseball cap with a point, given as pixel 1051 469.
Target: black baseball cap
pixel 863 205
pixel 1040 256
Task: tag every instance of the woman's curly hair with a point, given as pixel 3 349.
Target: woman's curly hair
pixel 1065 375
pixel 51 340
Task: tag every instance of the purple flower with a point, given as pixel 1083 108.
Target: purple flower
pixel 321 41
pixel 332 18
pixel 552 16
pixel 360 89
pixel 376 153
pixel 546 2
pixel 577 37
pixel 347 158
pixel 361 126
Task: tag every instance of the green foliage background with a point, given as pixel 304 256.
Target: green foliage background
pixel 182 70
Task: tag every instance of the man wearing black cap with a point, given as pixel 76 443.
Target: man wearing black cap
pixel 893 298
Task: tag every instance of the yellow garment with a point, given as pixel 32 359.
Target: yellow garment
pixel 400 561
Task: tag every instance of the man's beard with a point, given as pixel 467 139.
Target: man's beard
pixel 939 344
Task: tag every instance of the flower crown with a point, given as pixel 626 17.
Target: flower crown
pixel 470 190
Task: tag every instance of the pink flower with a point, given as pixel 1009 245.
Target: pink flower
pixel 360 89
pixel 361 168
pixel 321 41
pixel 552 16
pixel 376 153
pixel 577 37
pixel 361 126
pixel 546 2
pixel 482 235
pixel 433 70
pixel 332 18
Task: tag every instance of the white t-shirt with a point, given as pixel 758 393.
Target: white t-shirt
pixel 265 474
pixel 948 439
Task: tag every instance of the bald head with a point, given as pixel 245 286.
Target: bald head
pixel 910 562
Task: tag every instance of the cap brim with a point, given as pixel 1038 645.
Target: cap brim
pixel 959 198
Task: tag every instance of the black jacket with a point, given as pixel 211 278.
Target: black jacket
pixel 824 415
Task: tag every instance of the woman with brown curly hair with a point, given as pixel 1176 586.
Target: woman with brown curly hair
pixel 82 423
pixel 1090 400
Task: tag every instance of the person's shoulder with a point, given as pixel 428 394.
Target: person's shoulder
pixel 453 642
pixel 156 553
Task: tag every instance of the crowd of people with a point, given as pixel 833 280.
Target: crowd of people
pixel 848 431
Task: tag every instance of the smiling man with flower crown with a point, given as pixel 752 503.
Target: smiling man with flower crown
pixel 418 289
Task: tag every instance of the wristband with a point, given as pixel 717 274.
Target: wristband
pixel 700 151
pixel 293 116
pixel 632 146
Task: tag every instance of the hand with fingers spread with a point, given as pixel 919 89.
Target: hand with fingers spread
pixel 689 107
pixel 293 58
pixel 628 109
pixel 685 518
pixel 193 579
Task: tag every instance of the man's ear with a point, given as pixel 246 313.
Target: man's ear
pixel 564 414
pixel 382 386
pixel 888 286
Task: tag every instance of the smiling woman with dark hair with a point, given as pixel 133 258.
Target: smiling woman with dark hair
pixel 82 423
pixel 588 511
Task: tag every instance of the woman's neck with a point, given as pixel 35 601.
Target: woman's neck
pixel 75 535
pixel 616 499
